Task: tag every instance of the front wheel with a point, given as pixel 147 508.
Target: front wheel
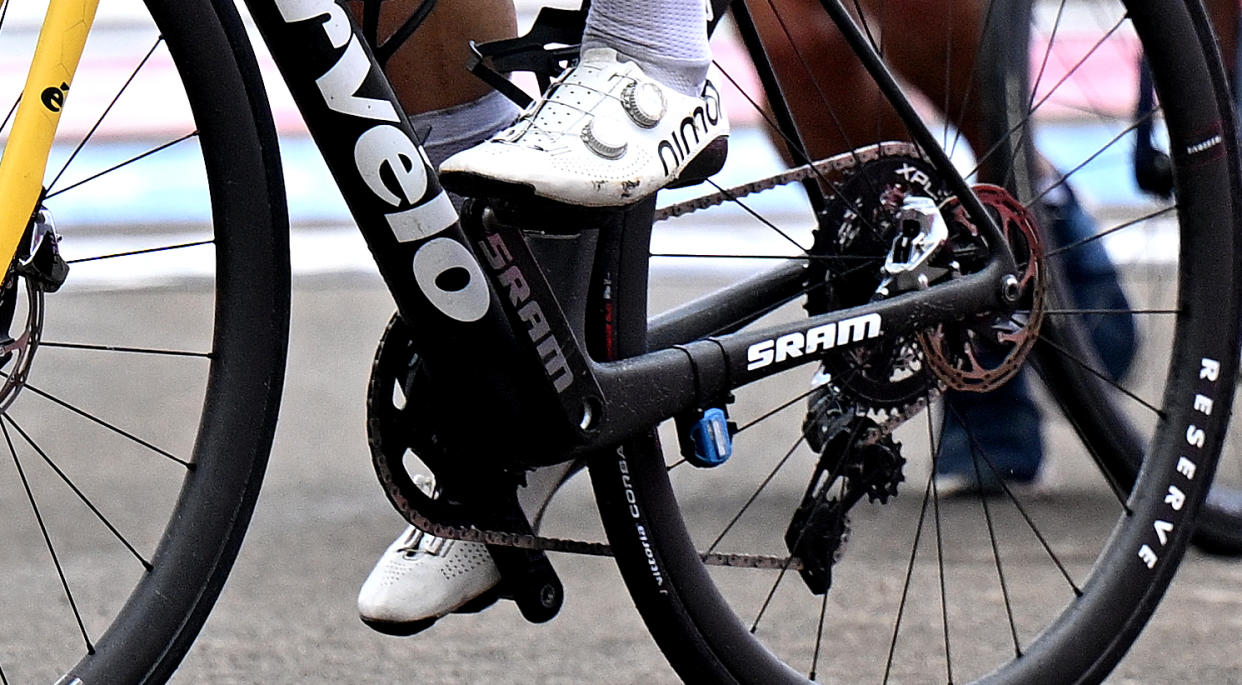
pixel 140 397
pixel 1004 585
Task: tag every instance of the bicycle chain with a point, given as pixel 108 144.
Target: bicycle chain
pixel 571 546
pixel 821 170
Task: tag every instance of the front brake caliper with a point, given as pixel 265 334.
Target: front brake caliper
pixel 42 263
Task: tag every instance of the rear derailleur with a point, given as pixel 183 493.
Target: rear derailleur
pixel 856 459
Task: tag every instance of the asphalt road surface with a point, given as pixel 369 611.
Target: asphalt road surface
pixel 288 612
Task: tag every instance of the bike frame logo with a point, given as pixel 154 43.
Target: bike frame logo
pixel 818 339
pixel 383 150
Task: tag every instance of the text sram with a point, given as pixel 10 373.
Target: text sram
pixel 817 339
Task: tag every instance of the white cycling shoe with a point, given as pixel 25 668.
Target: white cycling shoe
pixel 422 577
pixel 604 135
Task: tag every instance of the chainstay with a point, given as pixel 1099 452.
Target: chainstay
pixel 822 170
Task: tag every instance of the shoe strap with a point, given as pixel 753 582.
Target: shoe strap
pixel 427 543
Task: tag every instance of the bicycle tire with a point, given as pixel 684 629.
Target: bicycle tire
pixel 698 628
pixel 221 328
pixel 1219 525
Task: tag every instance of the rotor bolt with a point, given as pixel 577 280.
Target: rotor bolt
pixel 1009 288
pixel 548 596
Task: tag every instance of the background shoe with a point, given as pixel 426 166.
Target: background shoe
pixel 1001 428
pixel 604 135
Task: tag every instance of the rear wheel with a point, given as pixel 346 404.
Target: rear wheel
pixel 142 394
pixel 929 587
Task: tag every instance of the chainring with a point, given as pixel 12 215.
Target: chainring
pixel 393 426
pixel 396 425
pixel 855 234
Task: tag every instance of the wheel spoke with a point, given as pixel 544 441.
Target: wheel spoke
pixel 944 597
pixel 149 250
pixel 1045 58
pixel 1109 477
pixel 1109 312
pixel 121 165
pixel 775 410
pixel 909 575
pixel 122 348
pixel 757 216
pixel 9 117
pixel 47 538
pixel 755 495
pixel 996 556
pixel 819 634
pixel 1090 158
pixel 119 431
pixel 104 115
pixel 77 491
pixel 1022 127
pixel 977 450
pixel 975 74
pixel 1107 232
pixel 1075 359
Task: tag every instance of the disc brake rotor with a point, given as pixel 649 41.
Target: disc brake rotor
pixel 985 350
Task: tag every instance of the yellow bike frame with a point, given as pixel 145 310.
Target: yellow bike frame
pixel 64 32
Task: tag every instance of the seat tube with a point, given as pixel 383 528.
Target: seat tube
pixel 64 32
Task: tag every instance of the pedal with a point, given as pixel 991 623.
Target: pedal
pixel 526 575
pixel 527 578
pixel 545 50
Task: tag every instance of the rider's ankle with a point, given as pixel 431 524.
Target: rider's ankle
pixel 686 76
pixel 453 129
pixel 667 39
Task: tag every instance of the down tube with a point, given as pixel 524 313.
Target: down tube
pixel 406 218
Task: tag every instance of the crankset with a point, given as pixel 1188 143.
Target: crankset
pixel 397 428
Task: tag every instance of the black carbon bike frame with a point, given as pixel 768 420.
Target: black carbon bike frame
pixel 486 315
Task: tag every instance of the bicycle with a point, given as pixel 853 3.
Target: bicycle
pixel 880 344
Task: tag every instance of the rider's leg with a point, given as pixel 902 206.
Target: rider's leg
pixel 668 39
pixel 453 109
pixel 420 577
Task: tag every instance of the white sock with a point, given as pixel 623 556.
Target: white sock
pixel 457 128
pixel 667 38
